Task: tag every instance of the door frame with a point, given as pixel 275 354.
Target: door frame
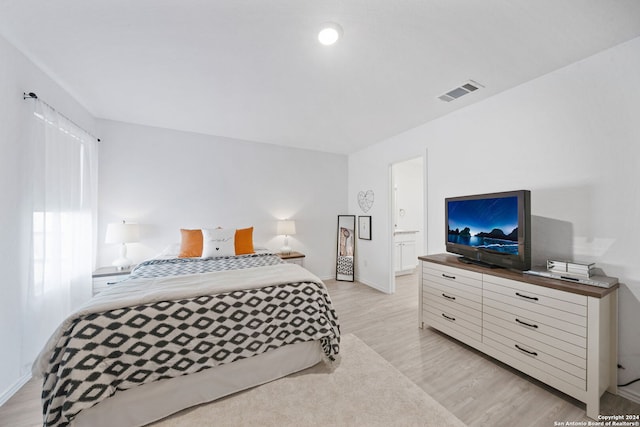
pixel 392 208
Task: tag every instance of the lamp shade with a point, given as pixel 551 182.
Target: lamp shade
pixel 119 232
pixel 287 227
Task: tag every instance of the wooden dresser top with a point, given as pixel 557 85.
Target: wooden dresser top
pixel 575 288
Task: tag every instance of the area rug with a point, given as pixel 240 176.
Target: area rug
pixel 360 389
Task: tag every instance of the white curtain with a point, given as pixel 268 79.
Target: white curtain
pixel 62 167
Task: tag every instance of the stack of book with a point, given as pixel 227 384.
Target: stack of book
pixel 572 269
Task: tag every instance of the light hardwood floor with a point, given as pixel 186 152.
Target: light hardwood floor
pixel 477 389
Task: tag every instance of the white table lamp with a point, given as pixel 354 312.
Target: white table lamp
pixel 120 232
pixel 287 228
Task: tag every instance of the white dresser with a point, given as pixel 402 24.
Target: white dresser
pixel 561 333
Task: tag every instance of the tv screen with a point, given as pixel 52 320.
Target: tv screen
pixel 490 229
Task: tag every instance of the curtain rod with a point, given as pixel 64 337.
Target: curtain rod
pixel 32 95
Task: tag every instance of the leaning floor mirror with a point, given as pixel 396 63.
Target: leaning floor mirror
pixel 346 248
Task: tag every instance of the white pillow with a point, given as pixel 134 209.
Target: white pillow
pixel 218 242
pixel 171 251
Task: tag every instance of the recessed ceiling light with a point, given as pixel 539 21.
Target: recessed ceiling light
pixel 329 34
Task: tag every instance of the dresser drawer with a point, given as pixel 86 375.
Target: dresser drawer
pixel 570 353
pixel 438 284
pixel 560 312
pixel 454 296
pixel 105 277
pixel 538 328
pixel 453 325
pixel 537 358
pixel 100 284
pixel 540 295
pixel 453 309
pixel 462 279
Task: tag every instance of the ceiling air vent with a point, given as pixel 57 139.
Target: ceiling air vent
pixel 462 90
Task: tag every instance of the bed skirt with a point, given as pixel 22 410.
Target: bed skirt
pixel 153 401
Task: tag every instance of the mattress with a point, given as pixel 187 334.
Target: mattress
pixel 180 318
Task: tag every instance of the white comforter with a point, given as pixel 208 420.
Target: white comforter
pixel 143 291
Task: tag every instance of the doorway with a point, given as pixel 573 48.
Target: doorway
pixel 407 219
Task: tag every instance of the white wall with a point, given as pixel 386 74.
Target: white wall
pixel 572 137
pixel 166 180
pixel 18 75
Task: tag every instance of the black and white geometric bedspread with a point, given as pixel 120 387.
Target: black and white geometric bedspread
pixel 101 353
pixel 180 266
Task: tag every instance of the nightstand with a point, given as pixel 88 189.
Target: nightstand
pixel 293 258
pixel 105 276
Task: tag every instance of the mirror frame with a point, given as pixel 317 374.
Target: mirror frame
pixel 345 250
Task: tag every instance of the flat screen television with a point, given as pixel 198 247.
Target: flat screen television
pixel 490 229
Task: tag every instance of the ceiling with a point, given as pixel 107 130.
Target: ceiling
pixel 253 69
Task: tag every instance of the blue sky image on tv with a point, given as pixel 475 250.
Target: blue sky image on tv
pixel 490 224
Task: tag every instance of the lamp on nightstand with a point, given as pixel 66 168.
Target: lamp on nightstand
pixel 120 232
pixel 287 228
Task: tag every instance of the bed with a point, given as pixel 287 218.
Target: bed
pixel 181 332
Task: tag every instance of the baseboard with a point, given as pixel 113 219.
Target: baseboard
pixel 364 282
pixel 632 395
pixel 6 395
pixel 372 285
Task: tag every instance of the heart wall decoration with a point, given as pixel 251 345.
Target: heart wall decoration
pixel 365 200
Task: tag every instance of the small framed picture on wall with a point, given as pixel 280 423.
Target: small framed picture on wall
pixel 364 227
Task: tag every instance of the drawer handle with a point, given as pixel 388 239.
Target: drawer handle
pixel 453 319
pixel 526 324
pixel 526 296
pixel 446 276
pixel 449 297
pixel 533 353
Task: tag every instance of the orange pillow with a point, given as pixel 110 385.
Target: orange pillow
pixel 244 241
pixel 191 243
